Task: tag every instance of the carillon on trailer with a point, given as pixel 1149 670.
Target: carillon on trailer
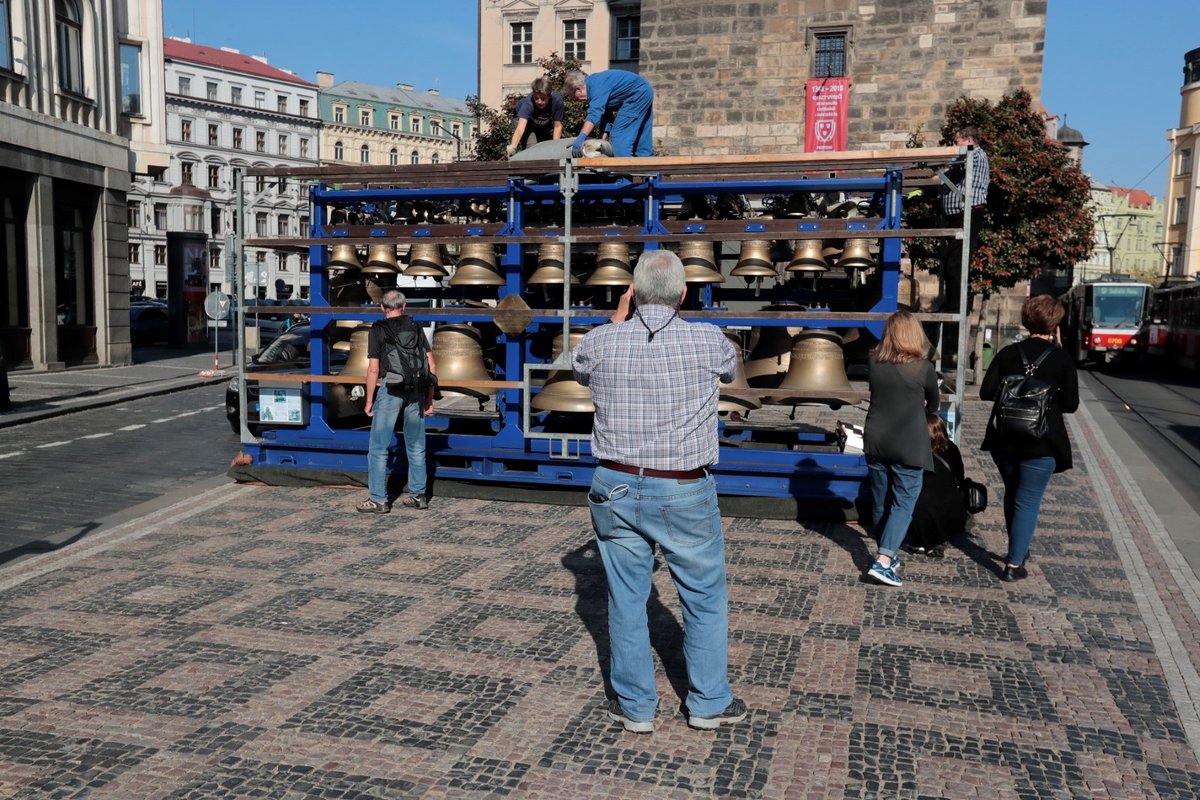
pixel 797 258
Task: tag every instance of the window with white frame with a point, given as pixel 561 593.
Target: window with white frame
pixel 283 224
pixel 339 114
pixel 160 217
pixel 211 91
pixel 260 223
pixel 1180 211
pixel 213 134
pixel 303 147
pixel 134 214
pixel 214 176
pixel 186 172
pixel 68 29
pixel 303 107
pixel 5 37
pixel 435 127
pixel 394 121
pixel 303 268
pixel 433 159
pixel 185 130
pixel 414 124
pixel 1185 162
pixel 235 95
pixel 415 157
pixel 237 138
pixel 339 151
pixel 260 98
pixel 260 184
pixel 574 39
pixel 281 103
pixel 394 157
pixel 131 75
pixel 160 259
pixel 214 264
pixel 364 117
pixel 135 254
pixel 629 37
pixel 522 42
pixel 283 262
pixel 260 141
pixel 364 154
pixel 456 130
pixel 185 85
pixel 283 144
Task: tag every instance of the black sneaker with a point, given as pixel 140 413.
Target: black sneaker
pixel 369 506
pixel 617 714
pixel 413 501
pixel 735 712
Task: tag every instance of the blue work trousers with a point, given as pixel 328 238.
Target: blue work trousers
pixel 895 488
pixel 387 409
pixel 631 131
pixel 1025 482
pixel 632 514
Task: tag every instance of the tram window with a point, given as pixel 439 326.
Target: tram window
pixel 1119 308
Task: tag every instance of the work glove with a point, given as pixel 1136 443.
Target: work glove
pixel 511 150
pixel 577 148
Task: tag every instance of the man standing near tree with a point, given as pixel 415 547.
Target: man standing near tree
pixel 954 202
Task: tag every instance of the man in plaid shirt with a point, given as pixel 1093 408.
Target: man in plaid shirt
pixel 655 385
pixel 953 203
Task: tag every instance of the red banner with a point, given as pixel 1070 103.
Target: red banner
pixel 826 107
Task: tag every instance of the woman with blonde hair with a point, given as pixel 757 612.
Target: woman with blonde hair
pixel 896 441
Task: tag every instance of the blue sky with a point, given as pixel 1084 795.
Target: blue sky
pixel 1113 67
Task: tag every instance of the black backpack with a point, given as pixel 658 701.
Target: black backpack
pixel 404 364
pixel 1021 407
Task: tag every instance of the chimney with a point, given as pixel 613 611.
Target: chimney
pixel 231 50
pixel 262 59
pixel 407 87
pixel 433 91
pixel 324 80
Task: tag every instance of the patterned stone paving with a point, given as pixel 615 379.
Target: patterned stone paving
pixel 268 642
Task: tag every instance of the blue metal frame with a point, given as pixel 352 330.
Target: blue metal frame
pixel 507 455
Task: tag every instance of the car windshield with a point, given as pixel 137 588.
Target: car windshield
pixel 291 346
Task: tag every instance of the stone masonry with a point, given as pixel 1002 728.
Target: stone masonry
pixel 729 74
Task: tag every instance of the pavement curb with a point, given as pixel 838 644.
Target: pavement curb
pixel 14 418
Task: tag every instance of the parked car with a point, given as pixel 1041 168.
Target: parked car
pixel 149 323
pixel 272 324
pixel 288 353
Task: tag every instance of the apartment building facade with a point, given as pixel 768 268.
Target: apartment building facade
pixel 80 82
pixel 227 111
pixel 1182 204
pixel 367 124
pixel 1129 231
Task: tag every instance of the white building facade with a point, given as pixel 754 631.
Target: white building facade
pixel 227 111
pixel 79 113
pixel 1182 210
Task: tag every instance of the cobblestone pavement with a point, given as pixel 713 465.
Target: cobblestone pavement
pixel 263 641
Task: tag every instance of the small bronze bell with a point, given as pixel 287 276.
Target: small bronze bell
pixel 808 257
pixel 340 332
pixel 832 253
pixel 856 254
pixel 425 261
pixel 381 260
pixel 770 357
pixel 561 392
pixel 817 363
pixel 344 256
pixel 612 266
pixel 477 266
pixel 699 265
pixel 346 288
pixel 550 268
pixel 739 403
pixel 755 261
pixel 458 351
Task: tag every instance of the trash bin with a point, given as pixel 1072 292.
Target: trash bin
pixel 988 352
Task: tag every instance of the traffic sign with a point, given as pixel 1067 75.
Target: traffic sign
pixel 216 305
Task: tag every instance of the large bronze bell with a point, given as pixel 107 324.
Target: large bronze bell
pixel 339 333
pixel 425 261
pixel 346 288
pixel 458 351
pixel 550 267
pixel 381 260
pixel 770 357
pixel 856 254
pixel 477 266
pixel 346 402
pixel 612 266
pixel 344 256
pixel 808 258
pixel 817 364
pixel 738 403
pixel 699 264
pixel 561 392
pixel 755 261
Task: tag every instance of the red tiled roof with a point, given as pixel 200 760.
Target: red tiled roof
pixel 223 59
pixel 1138 198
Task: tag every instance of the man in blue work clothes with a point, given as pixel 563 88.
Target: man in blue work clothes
pixel 539 116
pixel 655 384
pixel 626 96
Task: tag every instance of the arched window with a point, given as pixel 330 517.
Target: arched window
pixel 394 157
pixel 364 154
pixel 69 35
pixel 434 159
pixel 416 157
pixel 339 152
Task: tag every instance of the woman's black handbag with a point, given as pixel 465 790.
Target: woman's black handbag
pixel 974 495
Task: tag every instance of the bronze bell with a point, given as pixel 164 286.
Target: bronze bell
pixel 699 265
pixel 425 261
pixel 755 261
pixel 339 333
pixel 344 256
pixel 458 350
pixel 856 254
pixel 738 403
pixel 550 267
pixel 612 266
pixel 346 402
pixel 477 266
pixel 832 253
pixel 346 288
pixel 770 357
pixel 808 257
pixel 381 260
pixel 817 363
pixel 561 392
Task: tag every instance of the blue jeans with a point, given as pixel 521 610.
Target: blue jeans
pixel 387 409
pixel 894 491
pixel 1025 482
pixel 632 514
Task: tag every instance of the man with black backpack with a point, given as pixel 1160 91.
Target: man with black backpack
pixel 400 365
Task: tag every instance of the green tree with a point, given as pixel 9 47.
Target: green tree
pixel 1039 212
pixel 495 127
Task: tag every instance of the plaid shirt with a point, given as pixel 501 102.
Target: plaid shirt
pixel 656 401
pixel 952 201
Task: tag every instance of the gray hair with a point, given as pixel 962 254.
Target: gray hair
pixel 541 85
pixel 393 299
pixel 658 279
pixel 572 81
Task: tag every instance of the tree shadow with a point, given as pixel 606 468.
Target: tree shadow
pixel 44 545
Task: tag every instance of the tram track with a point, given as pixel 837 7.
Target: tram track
pixel 1134 406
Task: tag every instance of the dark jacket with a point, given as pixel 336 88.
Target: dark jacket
pixel 940 514
pixel 1058 370
pixel 895 429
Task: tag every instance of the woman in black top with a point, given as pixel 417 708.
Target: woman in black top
pixel 895 439
pixel 1026 466
pixel 940 514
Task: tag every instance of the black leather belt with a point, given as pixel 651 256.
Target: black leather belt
pixel 674 474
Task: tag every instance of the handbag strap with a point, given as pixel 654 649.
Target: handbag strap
pixel 1037 362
